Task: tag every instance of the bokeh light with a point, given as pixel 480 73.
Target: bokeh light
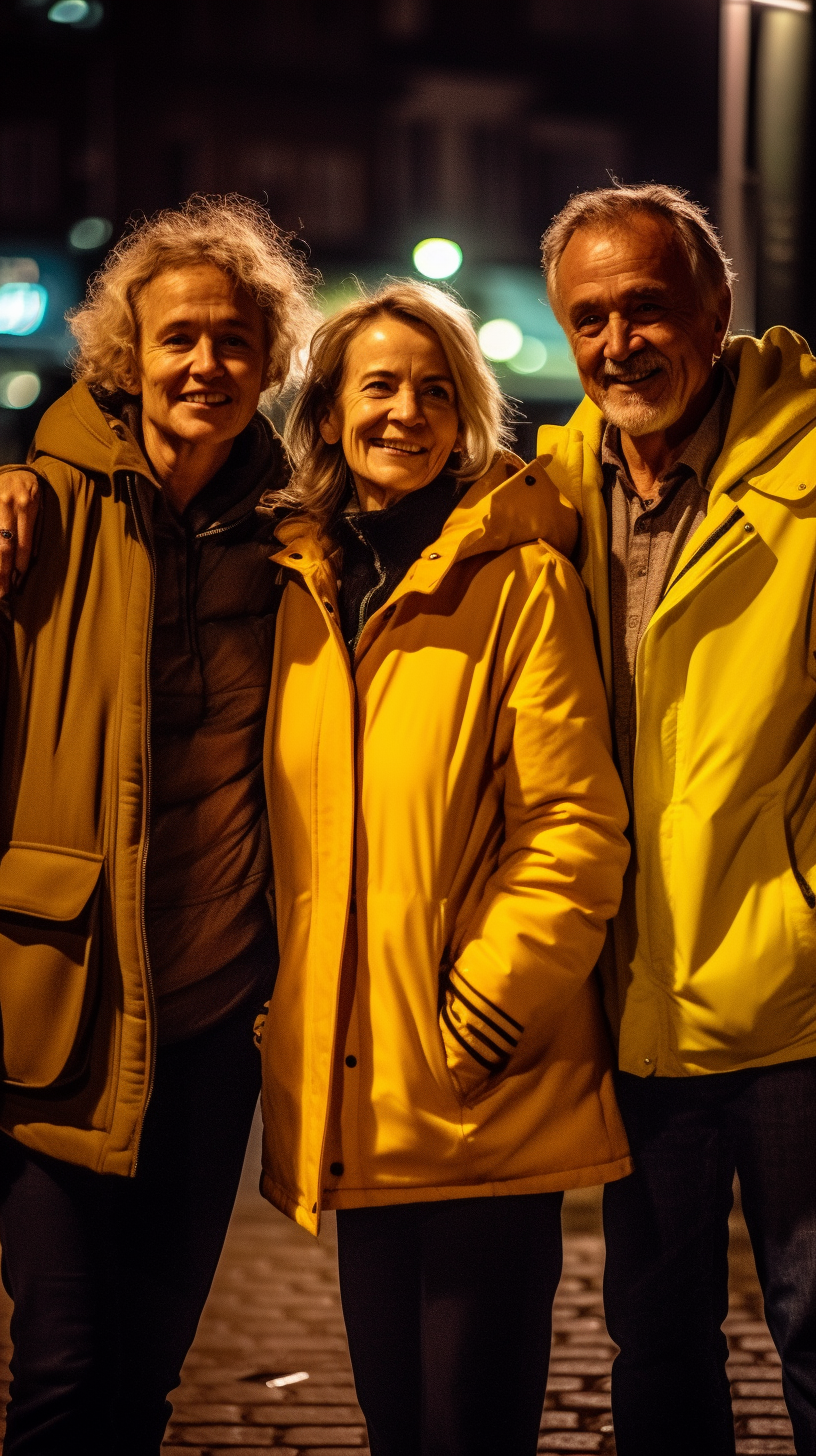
pixel 500 339
pixel 437 258
pixel 69 12
pixel 22 307
pixel 19 390
pixel 90 233
pixel 531 357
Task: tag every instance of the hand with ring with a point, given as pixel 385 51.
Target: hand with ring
pixel 19 504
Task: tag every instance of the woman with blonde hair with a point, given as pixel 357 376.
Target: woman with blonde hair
pixel 136 939
pixel 447 847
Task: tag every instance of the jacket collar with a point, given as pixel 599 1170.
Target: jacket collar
pixel 502 509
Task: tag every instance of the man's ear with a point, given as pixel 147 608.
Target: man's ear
pixel 330 427
pixel 725 304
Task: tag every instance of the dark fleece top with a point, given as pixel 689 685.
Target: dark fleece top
pixel 379 546
pixel 209 929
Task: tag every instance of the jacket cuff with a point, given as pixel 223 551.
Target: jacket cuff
pixel 479 1037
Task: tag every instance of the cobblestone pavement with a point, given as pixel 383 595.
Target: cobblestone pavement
pixel 275 1311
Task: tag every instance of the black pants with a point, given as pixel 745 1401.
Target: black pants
pixel 666 1282
pixel 448 1310
pixel 109 1275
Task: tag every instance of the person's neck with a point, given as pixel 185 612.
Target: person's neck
pixel 648 457
pixel 182 467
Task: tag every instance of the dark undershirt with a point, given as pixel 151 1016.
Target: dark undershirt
pixel 378 547
pixel 209 928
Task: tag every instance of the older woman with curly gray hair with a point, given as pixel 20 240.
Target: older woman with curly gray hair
pixel 136 940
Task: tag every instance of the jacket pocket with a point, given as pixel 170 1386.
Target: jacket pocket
pixel 49 964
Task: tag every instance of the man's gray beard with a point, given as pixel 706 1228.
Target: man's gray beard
pixel 638 417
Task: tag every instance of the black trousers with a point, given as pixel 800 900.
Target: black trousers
pixel 448 1310
pixel 109 1275
pixel 666 1281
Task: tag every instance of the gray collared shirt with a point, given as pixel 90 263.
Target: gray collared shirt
pixel 646 538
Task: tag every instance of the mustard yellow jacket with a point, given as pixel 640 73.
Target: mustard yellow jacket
pixel 459 786
pixel 715 946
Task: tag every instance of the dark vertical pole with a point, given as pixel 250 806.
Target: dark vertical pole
pixel 782 123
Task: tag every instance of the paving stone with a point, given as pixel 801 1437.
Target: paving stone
pixel 757 1447
pixel 759 1408
pixel 758 1388
pixel 345 1436
pixel 570 1441
pixel 559 1420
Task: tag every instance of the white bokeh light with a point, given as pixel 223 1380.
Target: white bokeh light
pixel 19 390
pixel 531 357
pixel 437 258
pixel 500 339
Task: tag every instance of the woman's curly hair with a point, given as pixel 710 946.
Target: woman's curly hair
pixel 232 232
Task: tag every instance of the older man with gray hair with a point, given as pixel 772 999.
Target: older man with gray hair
pixel 698 552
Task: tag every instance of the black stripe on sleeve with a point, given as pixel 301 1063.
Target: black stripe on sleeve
pixel 499 1030
pixel 517 1024
pixel 502 1056
pixel 477 1057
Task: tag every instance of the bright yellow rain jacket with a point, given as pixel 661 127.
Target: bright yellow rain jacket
pixel 715 946
pixel 459 784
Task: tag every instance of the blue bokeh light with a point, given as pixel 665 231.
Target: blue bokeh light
pixel 22 308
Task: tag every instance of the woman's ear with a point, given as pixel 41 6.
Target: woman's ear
pixel 330 428
pixel 129 379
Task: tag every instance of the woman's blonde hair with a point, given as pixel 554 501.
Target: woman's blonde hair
pixel 236 235
pixel 321 481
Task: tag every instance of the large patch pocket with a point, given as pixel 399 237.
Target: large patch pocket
pixel 49 964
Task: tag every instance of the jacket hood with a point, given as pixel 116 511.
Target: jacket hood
pixel 774 400
pixel 74 429
pixel 510 505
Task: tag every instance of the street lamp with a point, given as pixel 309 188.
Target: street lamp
pixel 760 211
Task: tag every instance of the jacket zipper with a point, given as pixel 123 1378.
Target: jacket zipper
pixel 717 535
pixel 807 893
pixel 222 530
pixel 361 619
pixel 722 530
pixel 318 1209
pixel 143 870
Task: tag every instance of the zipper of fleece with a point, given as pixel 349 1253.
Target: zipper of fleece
pixel 145 543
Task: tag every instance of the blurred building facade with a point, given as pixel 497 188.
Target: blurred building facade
pixel 364 124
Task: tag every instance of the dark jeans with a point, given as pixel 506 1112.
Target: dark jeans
pixel 448 1310
pixel 666 1282
pixel 109 1275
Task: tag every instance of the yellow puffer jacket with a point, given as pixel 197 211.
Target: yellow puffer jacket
pixel 715 947
pixel 460 786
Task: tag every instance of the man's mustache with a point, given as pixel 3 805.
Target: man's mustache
pixel 640 364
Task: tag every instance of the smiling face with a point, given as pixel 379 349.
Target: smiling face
pixel 201 355
pixel 643 330
pixel 396 414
